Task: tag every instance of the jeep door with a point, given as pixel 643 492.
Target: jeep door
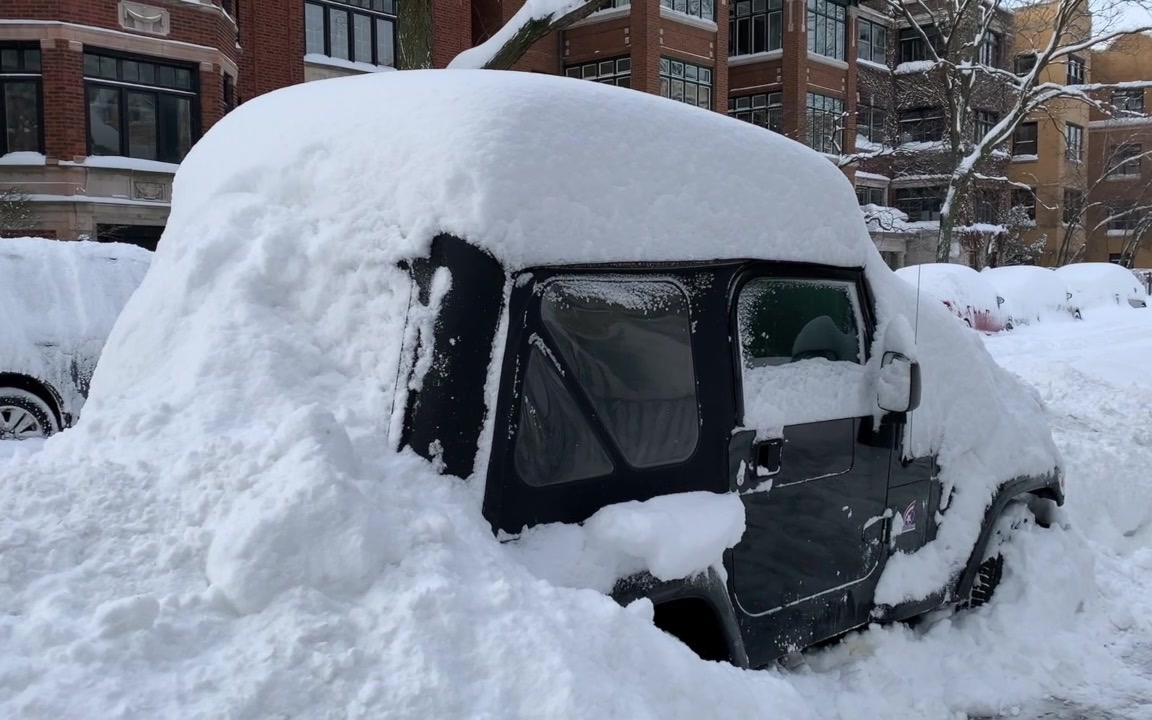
pixel 814 472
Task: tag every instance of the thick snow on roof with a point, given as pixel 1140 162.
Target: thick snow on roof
pixel 538 169
pixel 1095 284
pixel 226 533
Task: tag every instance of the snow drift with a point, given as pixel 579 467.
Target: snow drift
pixel 228 531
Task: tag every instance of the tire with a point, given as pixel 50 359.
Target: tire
pixel 24 416
pixel 988 577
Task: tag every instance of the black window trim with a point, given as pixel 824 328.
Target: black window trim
pixel 1035 141
pixel 38 78
pixel 795 271
pixel 193 95
pixel 541 335
pixel 328 5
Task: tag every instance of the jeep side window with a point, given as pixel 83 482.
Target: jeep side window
pixel 801 350
pixel 612 364
pixel 555 443
pixel 628 345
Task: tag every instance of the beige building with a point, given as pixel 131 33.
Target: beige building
pixel 1119 215
pixel 1050 150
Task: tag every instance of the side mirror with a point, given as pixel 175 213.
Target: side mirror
pixel 898 386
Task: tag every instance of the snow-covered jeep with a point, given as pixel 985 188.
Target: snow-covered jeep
pixel 575 296
pixel 58 302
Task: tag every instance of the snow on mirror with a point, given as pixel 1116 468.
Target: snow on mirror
pixel 801 352
pixel 625 349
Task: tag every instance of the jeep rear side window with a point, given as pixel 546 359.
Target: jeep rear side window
pixel 801 351
pixel 627 345
pixel 555 444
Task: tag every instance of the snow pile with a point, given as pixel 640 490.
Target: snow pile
pixel 1097 284
pixel 227 532
pixel 671 536
pixel 1030 293
pixel 58 302
pixel 959 285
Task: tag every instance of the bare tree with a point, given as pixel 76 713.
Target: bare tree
pixel 531 23
pixel 16 212
pixel 953 33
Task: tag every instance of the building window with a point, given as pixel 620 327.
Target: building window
pixel 919 204
pixel 20 100
pixel 765 110
pixel 1075 70
pixel 355 30
pixel 754 26
pixel 872 41
pixel 912 47
pixel 703 9
pixel 613 71
pixel 1025 62
pixel 1124 160
pixel 870 196
pixel 871 123
pixel 1073 206
pixel 983 122
pixel 990 50
pixel 826 28
pixel 140 108
pixel 1122 218
pixel 686 83
pixel 1024 139
pixel 921 125
pixel 825 123
pixel 1129 100
pixel 986 206
pixel 229 93
pixel 1024 203
pixel 1075 143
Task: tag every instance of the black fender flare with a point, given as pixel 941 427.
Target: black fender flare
pixel 707 586
pixel 1035 487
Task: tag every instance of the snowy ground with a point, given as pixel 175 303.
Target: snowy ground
pixel 1070 633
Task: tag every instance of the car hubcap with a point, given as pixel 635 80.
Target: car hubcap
pixel 18 423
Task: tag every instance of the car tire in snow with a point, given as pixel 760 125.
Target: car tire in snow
pixel 988 577
pixel 24 416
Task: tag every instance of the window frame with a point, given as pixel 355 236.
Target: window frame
pixel 922 196
pixel 929 124
pixel 911 43
pixel 824 19
pixel 868 195
pixel 123 88
pixel 872 27
pixel 811 112
pixel 875 119
pixel 772 108
pixel 352 10
pixel 1024 63
pixel 618 77
pixel 1077 205
pixel 1126 223
pixel 21 76
pixel 773 16
pixel 1028 198
pixel 985 119
pixel 986 206
pixel 1113 166
pixel 1077 70
pixel 1128 95
pixel 668 73
pixel 1073 142
pixel 1034 142
pixel 990 50
pixel 684 7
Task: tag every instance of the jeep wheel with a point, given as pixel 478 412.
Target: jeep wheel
pixel 988 577
pixel 24 416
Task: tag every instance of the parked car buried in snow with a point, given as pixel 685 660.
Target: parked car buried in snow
pixel 58 301
pixel 574 333
pixel 963 291
pixel 1103 284
pixel 1031 293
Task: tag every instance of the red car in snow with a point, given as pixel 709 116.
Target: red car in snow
pixel 969 296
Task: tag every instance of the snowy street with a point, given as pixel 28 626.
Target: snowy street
pixel 1069 634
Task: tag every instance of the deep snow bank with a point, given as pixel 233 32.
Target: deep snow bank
pixel 227 530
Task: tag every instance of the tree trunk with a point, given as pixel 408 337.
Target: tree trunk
pixel 955 194
pixel 414 35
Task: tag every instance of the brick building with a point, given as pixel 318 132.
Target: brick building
pixel 103 97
